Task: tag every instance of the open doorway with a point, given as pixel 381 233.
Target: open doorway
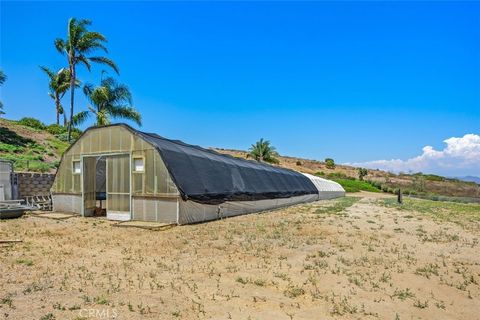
pixel 94 186
pixel 106 186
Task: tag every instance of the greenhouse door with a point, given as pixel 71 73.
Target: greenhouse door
pixel 118 187
pixel 88 174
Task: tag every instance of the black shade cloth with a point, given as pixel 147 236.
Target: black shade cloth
pixel 209 177
pixel 206 176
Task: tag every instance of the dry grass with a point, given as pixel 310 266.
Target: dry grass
pixel 346 258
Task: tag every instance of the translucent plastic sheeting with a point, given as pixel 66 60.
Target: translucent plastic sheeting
pixel 324 184
pixel 154 180
pixel 118 184
pixel 159 210
pixel 89 164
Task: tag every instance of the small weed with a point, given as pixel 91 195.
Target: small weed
pixel 48 316
pixel 282 276
pixel 260 282
pixel 26 262
pixel 58 306
pixel 428 270
pixel 242 280
pixel 403 294
pixel 420 304
pixel 343 307
pixel 74 307
pixel 385 277
pixel 100 300
pixel 293 292
pixel 7 300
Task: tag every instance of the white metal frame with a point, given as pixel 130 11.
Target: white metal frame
pixel 97 155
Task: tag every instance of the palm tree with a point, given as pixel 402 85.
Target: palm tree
pixel 262 150
pixel 109 100
pixel 58 85
pixel 77 47
pixel 3 78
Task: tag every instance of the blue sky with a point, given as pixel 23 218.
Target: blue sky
pixel 356 81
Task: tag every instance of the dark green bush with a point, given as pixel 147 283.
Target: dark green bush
pixel 362 172
pixel 338 175
pixel 64 136
pixel 56 129
pixel 32 123
pixel 330 163
pixel 376 184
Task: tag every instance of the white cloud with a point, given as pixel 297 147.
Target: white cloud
pixel 460 157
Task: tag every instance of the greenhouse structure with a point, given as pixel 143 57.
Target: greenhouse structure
pixel 126 174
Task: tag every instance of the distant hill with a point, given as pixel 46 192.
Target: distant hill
pixel 415 184
pixel 39 150
pixel 470 179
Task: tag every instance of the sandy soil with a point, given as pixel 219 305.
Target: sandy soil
pixel 365 261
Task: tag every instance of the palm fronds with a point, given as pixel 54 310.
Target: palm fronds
pixel 110 100
pixel 3 78
pixel 262 150
pixel 78 46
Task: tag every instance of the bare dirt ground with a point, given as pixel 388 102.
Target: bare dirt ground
pixel 353 258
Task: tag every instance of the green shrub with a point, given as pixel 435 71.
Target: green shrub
pixel 32 123
pixel 299 163
pixel 37 166
pixel 362 172
pixel 62 136
pixel 330 163
pixel 376 184
pixel 56 129
pixel 434 177
pixel 351 185
pixel 5 147
pixel 75 135
pixel 338 175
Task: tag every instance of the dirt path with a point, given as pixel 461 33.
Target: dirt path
pixel 352 258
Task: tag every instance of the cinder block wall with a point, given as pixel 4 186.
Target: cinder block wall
pixel 33 184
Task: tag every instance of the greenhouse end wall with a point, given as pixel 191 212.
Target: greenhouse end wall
pixel 152 190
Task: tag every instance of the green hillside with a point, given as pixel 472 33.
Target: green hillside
pixel 31 149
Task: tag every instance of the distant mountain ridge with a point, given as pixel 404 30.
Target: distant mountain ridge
pixel 470 179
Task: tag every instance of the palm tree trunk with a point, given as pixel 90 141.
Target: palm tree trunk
pixel 72 98
pixel 57 105
pixel 64 118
